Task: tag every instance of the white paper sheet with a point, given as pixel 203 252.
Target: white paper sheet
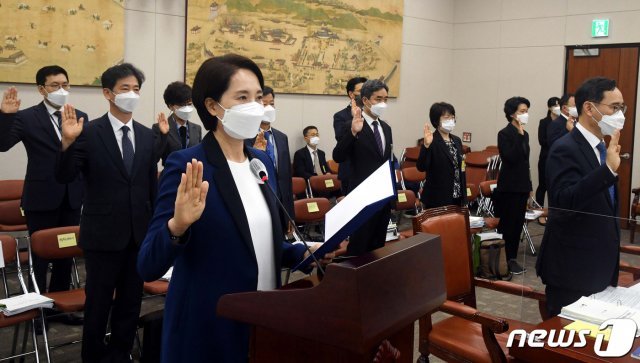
pixel 1 257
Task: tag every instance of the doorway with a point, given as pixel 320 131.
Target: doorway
pixel 618 62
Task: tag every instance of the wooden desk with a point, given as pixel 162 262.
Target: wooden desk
pixel 569 354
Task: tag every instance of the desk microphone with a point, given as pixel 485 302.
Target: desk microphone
pixel 260 172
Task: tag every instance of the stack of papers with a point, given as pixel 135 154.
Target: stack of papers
pixel 476 222
pixel 167 275
pixel 487 236
pixel 21 303
pixel 532 215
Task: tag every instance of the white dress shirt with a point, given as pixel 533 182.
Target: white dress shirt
pixel 117 129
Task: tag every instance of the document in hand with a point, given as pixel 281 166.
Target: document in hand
pixel 358 206
pixel 21 303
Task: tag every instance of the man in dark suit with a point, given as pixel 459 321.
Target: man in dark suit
pixel 564 123
pixel 579 254
pixel 310 160
pixel 342 124
pixel 116 157
pixel 553 111
pixel 182 133
pixel 276 144
pixel 46 203
pixel 367 145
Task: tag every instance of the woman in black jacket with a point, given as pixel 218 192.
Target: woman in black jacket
pixel 442 159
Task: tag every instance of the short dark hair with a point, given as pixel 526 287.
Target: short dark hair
pixel 177 93
pixel 266 90
pixel 564 100
pixel 437 110
pixel 111 76
pixel 371 86
pixel 212 81
pixel 593 90
pixel 44 72
pixel 552 101
pixel 351 84
pixel 511 106
pixel 306 129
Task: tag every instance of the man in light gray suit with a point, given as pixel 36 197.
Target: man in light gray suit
pixel 182 133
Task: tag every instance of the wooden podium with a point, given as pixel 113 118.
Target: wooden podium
pixel 345 317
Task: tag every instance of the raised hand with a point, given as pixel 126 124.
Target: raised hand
pixel 261 142
pixel 71 126
pixel 358 121
pixel 163 124
pixel 10 101
pixel 190 199
pixel 570 124
pixel 613 151
pixel 428 136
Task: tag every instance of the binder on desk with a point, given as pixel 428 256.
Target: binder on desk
pixel 355 209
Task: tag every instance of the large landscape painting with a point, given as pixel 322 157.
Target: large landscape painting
pixel 85 37
pixel 302 46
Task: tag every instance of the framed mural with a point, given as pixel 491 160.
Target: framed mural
pixel 85 37
pixel 301 46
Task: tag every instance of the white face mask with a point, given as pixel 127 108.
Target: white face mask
pixel 315 140
pixel 448 125
pixel 573 111
pixel 523 118
pixel 59 97
pixel 184 112
pixel 269 114
pixel 243 121
pixel 555 110
pixel 127 101
pixel 378 109
pixel 610 123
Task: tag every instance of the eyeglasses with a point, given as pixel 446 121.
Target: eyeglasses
pixel 615 108
pixel 57 86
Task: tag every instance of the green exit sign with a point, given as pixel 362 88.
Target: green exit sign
pixel 600 28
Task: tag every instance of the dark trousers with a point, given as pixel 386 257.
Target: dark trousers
pixel 511 208
pixel 559 297
pixel 109 272
pixel 541 190
pixel 371 235
pixel 61 268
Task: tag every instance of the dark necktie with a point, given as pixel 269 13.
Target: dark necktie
pixel 603 160
pixel 183 136
pixel 127 150
pixel 271 151
pixel 376 134
pixel 58 114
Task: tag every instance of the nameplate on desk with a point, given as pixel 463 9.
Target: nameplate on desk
pixel 402 197
pixel 312 207
pixel 328 183
pixel 67 240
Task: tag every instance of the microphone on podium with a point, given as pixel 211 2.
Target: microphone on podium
pixel 260 172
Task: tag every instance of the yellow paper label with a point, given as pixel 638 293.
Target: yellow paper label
pixel 67 240
pixel 594 329
pixel 402 197
pixel 313 207
pixel 328 183
pixel 21 211
pixel 463 165
pixel 468 192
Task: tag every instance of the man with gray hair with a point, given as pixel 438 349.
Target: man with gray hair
pixel 367 146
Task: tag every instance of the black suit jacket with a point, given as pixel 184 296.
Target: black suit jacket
pixel 342 125
pixel 362 152
pixel 33 126
pixel 173 142
pixel 117 207
pixel 515 176
pixel 437 162
pixel 556 129
pixel 543 136
pixel 580 246
pixel 285 187
pixel 303 163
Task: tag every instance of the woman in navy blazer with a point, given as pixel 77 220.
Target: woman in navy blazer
pixel 200 226
pixel 441 158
